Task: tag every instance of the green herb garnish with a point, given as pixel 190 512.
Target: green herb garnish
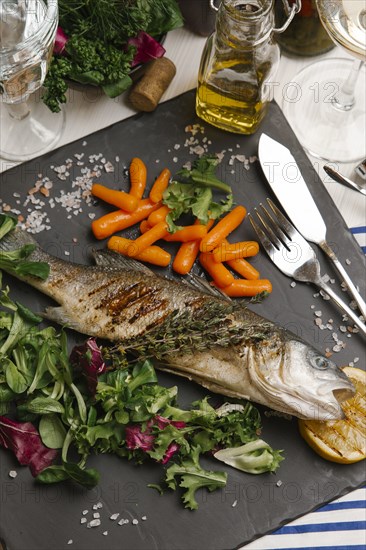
pixel 194 195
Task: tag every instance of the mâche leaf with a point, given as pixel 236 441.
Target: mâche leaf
pixel 52 431
pixel 99 402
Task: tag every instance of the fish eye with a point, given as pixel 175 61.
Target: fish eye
pixel 319 362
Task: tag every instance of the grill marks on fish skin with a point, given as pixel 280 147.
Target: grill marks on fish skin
pixel 113 303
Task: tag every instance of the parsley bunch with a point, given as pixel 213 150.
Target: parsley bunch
pixel 96 52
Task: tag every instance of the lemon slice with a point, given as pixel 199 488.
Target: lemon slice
pixel 342 441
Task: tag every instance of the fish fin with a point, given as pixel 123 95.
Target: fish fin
pixel 60 316
pixel 16 239
pixel 201 284
pixel 109 258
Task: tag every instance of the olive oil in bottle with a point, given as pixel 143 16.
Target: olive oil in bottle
pixel 238 65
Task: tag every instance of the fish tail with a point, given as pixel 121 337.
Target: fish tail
pixel 16 239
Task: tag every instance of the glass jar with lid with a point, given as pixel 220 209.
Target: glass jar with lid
pixel 238 65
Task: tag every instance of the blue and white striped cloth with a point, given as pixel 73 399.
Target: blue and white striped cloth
pixel 339 525
pixel 359 234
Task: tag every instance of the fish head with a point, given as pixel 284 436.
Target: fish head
pixel 296 377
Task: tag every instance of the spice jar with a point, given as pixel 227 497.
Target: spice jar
pixel 238 65
pixel 306 35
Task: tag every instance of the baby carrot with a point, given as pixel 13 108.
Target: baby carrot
pixel 144 226
pixel 243 287
pixel 152 254
pixel 159 215
pixel 159 186
pixel 185 257
pixel 226 251
pixel 221 276
pixel 224 227
pixel 138 176
pixel 188 252
pixel 188 233
pixel 119 219
pixel 152 235
pixel 123 200
pixel 244 268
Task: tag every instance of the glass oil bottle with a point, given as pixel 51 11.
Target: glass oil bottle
pixel 238 66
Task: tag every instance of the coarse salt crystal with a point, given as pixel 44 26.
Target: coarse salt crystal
pixel 356 359
pixel 105 533
pixel 279 483
pixel 113 517
pixel 348 262
pixel 123 521
pixel 13 474
pixel 70 541
pixel 144 518
pixel 83 520
pixel 293 284
pixel 96 515
pixel 85 512
pixel 135 521
pixel 94 523
pixel 234 503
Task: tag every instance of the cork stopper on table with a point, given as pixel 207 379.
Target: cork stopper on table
pixel 146 93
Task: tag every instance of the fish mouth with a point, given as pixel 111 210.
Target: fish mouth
pixel 330 405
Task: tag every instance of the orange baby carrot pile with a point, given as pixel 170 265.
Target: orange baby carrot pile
pixel 222 260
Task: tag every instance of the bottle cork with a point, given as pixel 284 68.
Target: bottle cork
pixel 146 93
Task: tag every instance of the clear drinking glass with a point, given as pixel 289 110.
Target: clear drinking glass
pixel 326 104
pixel 27 34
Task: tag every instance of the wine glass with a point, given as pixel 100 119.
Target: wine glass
pixel 27 34
pixel 326 101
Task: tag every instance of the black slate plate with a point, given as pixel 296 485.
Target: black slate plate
pixel 35 517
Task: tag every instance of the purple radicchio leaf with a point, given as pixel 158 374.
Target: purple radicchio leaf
pixel 147 48
pixel 171 450
pixel 162 422
pixel 137 439
pixel 60 42
pixel 24 440
pixel 89 357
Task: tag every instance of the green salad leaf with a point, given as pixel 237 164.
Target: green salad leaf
pixel 125 411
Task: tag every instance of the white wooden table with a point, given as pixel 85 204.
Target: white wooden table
pixel 184 48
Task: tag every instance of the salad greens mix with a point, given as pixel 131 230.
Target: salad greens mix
pixel 99 41
pixel 98 401
pixel 192 193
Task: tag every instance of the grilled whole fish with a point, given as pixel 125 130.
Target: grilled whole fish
pixel 221 345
